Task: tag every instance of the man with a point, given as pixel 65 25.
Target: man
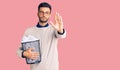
pixel 48 34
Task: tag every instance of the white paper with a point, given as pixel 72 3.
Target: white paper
pixel 28 38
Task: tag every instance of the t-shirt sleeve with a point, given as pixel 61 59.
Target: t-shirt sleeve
pixel 20 50
pixel 60 35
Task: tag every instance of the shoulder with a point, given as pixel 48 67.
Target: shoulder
pixel 51 27
pixel 29 29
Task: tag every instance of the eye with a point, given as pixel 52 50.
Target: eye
pixel 47 12
pixel 41 12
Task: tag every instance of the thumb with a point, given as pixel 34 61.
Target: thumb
pixel 52 23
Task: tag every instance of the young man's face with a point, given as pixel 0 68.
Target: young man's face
pixel 44 14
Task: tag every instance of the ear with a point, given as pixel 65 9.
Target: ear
pixel 50 15
pixel 38 14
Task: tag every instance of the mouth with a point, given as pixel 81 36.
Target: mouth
pixel 43 19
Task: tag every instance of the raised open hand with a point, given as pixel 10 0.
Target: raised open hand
pixel 58 23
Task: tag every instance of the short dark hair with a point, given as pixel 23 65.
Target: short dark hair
pixel 44 4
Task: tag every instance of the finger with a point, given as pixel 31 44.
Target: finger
pixel 56 17
pixel 59 16
pixel 61 20
pixel 31 49
pixel 36 53
pixel 34 58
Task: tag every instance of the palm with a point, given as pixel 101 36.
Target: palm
pixel 58 23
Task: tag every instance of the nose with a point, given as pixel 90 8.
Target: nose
pixel 44 14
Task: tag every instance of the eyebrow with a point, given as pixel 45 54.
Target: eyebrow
pixel 44 11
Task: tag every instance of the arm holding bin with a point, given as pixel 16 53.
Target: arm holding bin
pixel 35 48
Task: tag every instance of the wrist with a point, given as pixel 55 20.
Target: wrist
pixel 60 31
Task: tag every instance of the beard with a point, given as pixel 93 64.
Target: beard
pixel 43 19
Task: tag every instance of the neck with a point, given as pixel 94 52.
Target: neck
pixel 42 24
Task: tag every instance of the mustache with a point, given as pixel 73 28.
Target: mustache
pixel 43 17
pixel 43 21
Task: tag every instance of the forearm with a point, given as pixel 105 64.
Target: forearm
pixel 19 52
